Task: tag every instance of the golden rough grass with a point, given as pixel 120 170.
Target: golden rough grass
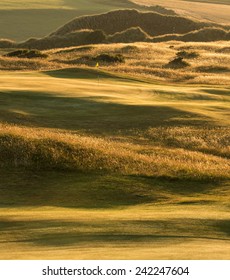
pixel 149 60
pixel 208 140
pixel 25 64
pixel 143 60
pixel 38 148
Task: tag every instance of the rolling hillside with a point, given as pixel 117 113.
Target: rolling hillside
pixel 87 166
pixel 123 26
pixel 39 18
pixel 152 23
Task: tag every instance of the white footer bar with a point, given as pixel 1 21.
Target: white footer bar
pixel 89 270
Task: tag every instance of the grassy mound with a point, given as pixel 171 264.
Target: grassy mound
pixel 81 37
pixel 187 54
pixel 4 43
pixel 129 49
pixel 208 34
pixel 177 62
pixel 27 54
pixel 109 58
pixel 42 149
pixel 214 141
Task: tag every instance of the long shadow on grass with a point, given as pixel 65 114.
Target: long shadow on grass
pixel 224 92
pixel 93 74
pixel 90 114
pixel 60 233
pixel 80 73
pixel 73 190
pixel 21 188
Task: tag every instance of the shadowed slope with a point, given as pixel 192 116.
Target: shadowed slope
pixel 127 26
pixel 202 35
pixel 120 20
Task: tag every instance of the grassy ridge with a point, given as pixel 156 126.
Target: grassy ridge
pixel 161 24
pixel 69 152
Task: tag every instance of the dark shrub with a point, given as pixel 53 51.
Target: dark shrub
pixel 186 54
pixel 110 58
pixel 129 48
pixel 177 62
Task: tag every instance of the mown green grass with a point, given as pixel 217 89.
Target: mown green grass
pixel 160 211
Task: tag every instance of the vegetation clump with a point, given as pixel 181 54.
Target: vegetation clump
pixel 178 62
pixel 129 49
pixel 103 58
pixel 110 58
pixel 24 53
pixel 188 55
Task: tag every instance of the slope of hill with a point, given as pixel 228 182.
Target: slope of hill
pixel 123 26
pixel 82 37
pixel 202 35
pixel 32 18
pixel 116 21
